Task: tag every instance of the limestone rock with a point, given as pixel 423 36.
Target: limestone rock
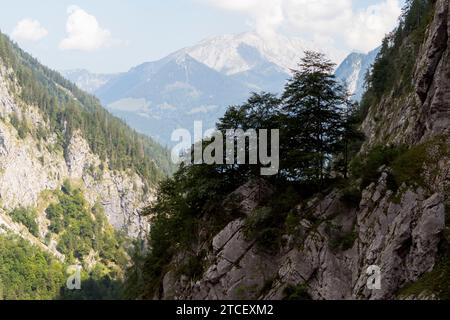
pixel 29 167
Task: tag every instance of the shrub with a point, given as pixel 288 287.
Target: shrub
pixel 27 217
pixel 265 224
pixel 193 268
pixel 81 228
pixel 292 222
pixel 351 196
pixel 368 168
pixel 20 125
pixel 408 166
pixel 345 241
pixel 260 225
pixel 294 293
pixel 26 272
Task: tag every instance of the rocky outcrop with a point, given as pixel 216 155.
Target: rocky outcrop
pixel 399 233
pixel 121 194
pixel 425 111
pixel 433 75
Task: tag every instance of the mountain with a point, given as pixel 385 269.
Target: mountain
pixel 73 179
pixel 87 81
pixel 200 82
pixel 159 97
pixel 378 232
pixel 353 70
pixel 234 54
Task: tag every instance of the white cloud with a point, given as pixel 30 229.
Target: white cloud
pixel 372 24
pixel 202 109
pixel 84 32
pixel 333 24
pixel 265 15
pixel 29 30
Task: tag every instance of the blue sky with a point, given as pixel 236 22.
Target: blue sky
pixel 114 35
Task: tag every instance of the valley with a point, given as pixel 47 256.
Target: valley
pixel 320 182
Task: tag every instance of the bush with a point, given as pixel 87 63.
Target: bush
pixel 27 217
pixel 20 125
pixel 294 293
pixel 72 219
pixel 408 167
pixel 260 225
pixel 351 196
pixel 292 222
pixel 193 268
pixel 266 224
pixel 406 164
pixel 344 241
pixel 368 168
pixel 26 272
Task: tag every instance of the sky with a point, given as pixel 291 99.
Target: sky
pixel 108 36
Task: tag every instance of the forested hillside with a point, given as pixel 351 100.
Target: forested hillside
pixel 73 180
pixel 68 109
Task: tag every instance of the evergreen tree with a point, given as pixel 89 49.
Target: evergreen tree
pixel 312 119
pixel 351 139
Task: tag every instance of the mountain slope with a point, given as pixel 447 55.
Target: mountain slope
pixel 410 86
pixel 353 71
pixel 73 178
pixel 159 97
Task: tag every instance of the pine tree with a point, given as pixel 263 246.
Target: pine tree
pixel 312 119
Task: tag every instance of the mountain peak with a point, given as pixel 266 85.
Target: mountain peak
pixel 224 53
pixel 352 71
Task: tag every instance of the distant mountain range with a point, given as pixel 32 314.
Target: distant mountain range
pixel 200 82
pixel 87 81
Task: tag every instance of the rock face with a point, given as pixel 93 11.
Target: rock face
pixel 400 236
pixel 425 111
pixel 29 167
pixel 433 75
